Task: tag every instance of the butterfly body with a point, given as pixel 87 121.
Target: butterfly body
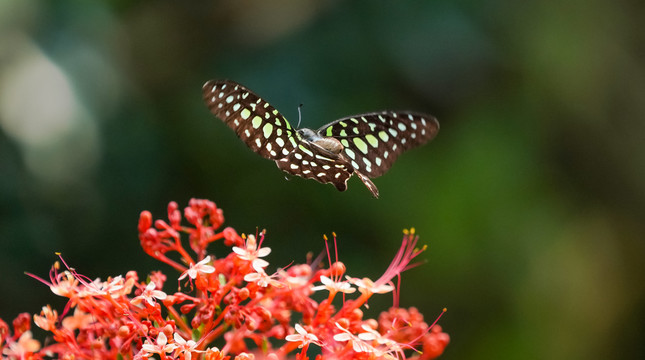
pixel 328 144
pixel 366 145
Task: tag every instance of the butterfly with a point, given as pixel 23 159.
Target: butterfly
pixel 366 145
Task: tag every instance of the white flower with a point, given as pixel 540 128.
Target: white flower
pixel 303 337
pixel 200 267
pixel 149 294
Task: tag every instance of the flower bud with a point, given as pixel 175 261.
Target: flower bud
pixel 123 332
pixel 145 221
pixel 337 269
pixel 243 294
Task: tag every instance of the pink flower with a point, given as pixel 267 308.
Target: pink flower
pixel 200 267
pixel 333 286
pixel 186 347
pixel 262 279
pixel 160 347
pixel 303 337
pixel 22 348
pixel 358 344
pixel 97 287
pixel 149 294
pixel 252 252
pixel 366 285
pixel 47 320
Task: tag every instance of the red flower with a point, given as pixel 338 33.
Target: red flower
pixel 230 297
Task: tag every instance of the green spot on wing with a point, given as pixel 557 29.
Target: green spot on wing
pixel 305 150
pixel 267 129
pixel 372 140
pixel 361 145
pixel 256 122
pixel 383 135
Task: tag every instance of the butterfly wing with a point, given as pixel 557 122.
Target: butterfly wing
pixel 310 161
pixel 373 141
pixel 254 120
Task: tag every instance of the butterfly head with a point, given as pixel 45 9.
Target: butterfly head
pixel 308 134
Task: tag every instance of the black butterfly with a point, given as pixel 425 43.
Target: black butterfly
pixel 365 145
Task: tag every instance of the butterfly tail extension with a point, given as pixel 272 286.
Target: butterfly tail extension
pixel 370 185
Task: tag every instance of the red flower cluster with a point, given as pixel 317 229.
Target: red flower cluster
pixel 229 301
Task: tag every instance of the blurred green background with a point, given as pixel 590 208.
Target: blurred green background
pixel 531 198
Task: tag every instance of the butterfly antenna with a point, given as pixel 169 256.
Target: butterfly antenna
pixel 299 116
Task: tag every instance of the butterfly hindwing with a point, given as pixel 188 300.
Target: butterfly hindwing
pixel 254 120
pixel 311 162
pixel 373 141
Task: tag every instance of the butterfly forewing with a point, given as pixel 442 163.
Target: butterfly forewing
pixel 254 120
pixel 372 142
